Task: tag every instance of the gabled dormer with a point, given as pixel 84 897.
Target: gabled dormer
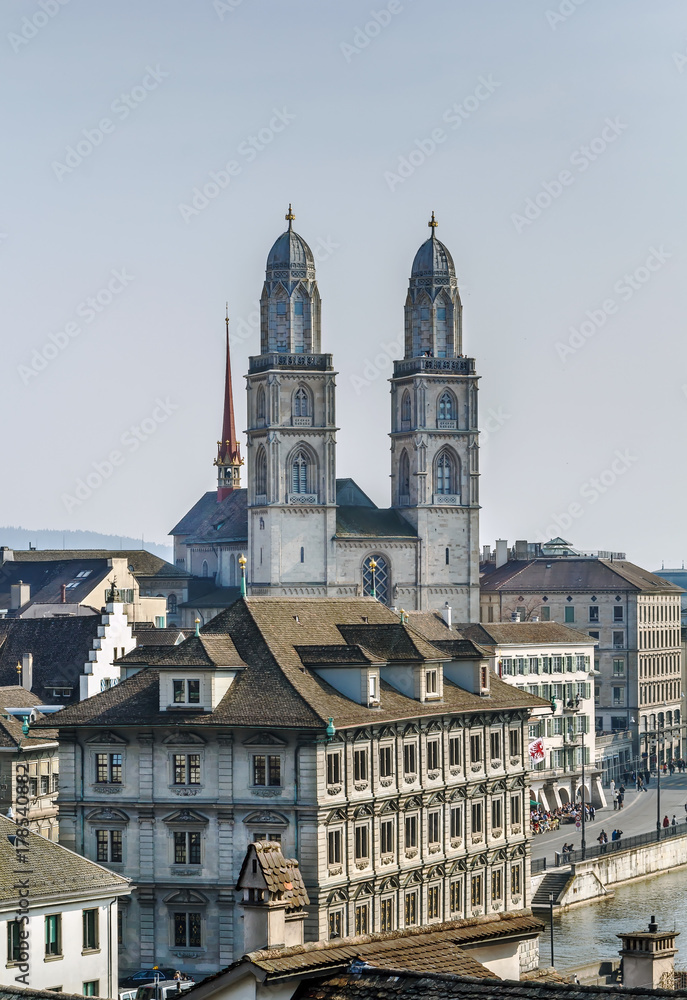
pixel 353 671
pixel 412 666
pixel 196 674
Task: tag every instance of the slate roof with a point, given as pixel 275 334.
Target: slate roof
pixel 371 522
pixel 573 574
pixel 348 494
pixel 275 685
pixel 146 634
pixel 343 655
pixel 54 870
pixel 60 648
pixel 141 562
pixel 211 522
pixel 370 984
pixel 431 947
pixel 433 627
pixel 46 577
pixel 197 651
pixel 11 734
pixel 218 597
pixel 282 875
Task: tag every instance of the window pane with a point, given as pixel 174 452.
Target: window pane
pixel 179 848
pixel 179 930
pixel 179 769
pixel 274 770
pixel 194 692
pixel 259 770
pixel 116 768
pixel 194 848
pixel 178 691
pixel 194 930
pixel 115 845
pixel 194 769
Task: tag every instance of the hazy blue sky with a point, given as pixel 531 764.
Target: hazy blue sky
pixel 570 112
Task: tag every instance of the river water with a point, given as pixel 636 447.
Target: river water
pixel 588 933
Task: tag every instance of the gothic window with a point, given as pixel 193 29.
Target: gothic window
pixel 382 581
pixel 444 348
pixel 299 473
pixel 205 569
pixel 447 407
pixel 172 604
pixel 446 478
pixel 406 408
pixel 261 472
pixel 404 478
pixel 281 319
pixel 298 326
pixel 260 403
pixel 301 402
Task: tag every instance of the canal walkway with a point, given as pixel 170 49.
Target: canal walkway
pixel 637 816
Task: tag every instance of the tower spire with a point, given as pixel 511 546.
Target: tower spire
pixel 433 225
pixel 228 459
pixel 290 217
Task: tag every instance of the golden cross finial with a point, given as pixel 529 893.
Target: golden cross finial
pixel 432 223
pixel 226 315
pixel 290 216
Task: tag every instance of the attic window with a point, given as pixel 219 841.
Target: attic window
pixel 83 574
pixel 70 586
pixel 186 692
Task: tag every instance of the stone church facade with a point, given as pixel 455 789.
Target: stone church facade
pixel 304 532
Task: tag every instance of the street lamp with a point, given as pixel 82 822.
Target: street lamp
pixel 658 782
pixel 583 842
pixel 551 923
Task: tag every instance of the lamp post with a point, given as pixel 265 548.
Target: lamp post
pixel 583 843
pixel 658 783
pixel 551 924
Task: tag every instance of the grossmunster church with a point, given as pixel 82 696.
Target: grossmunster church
pixel 303 531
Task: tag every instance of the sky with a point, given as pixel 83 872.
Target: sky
pixel 149 155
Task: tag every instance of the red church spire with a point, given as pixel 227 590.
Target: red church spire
pixel 228 459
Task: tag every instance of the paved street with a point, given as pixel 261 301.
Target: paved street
pixel 637 816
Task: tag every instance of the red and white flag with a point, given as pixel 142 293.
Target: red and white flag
pixel 536 751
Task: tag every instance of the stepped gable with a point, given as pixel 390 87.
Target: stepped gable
pixel 268 635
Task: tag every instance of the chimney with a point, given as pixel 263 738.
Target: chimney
pixel 486 554
pixel 27 671
pixel 521 549
pixel 6 554
pixel 446 614
pixel 501 552
pixel 20 594
pixel 649 958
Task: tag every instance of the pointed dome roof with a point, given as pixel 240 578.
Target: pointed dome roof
pixel 433 258
pixel 291 253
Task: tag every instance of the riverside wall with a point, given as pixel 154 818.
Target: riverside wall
pixel 595 878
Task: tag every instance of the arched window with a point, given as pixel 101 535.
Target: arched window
pixel 205 569
pixel 404 478
pixel 382 581
pixel 301 402
pixel 261 472
pixel 446 409
pixel 260 403
pixel 172 604
pixel 441 329
pixel 445 474
pixel 232 570
pixel 406 408
pixel 299 473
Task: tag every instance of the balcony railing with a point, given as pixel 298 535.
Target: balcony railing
pixel 456 366
pixel 626 844
pixel 263 362
pixel 304 499
pixel 446 499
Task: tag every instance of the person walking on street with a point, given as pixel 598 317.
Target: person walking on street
pixel 615 801
pixel 666 822
pixel 674 821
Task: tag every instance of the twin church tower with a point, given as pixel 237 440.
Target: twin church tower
pixel 303 531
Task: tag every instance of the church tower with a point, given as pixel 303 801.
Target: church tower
pixel 228 459
pixel 291 433
pixel 434 449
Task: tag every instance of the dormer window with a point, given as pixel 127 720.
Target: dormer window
pixel 373 688
pixel 432 683
pixel 186 692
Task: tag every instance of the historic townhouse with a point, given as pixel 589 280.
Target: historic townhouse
pixel 392 769
pixel 303 531
pixel 633 615
pixel 556 663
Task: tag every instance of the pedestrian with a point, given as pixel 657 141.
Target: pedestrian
pixel 592 812
pixel 615 801
pixel 619 834
pixel 614 835
pixel 666 822
pixel 674 821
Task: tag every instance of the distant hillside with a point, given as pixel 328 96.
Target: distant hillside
pixel 42 538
